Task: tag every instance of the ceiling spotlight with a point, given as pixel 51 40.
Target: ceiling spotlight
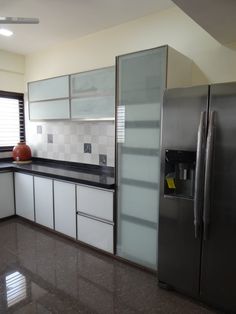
pixel 5 32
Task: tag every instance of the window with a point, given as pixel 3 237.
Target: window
pixel 12 122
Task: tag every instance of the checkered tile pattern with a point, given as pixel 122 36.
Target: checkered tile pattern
pixel 69 138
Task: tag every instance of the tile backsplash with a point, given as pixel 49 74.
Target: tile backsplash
pixel 64 140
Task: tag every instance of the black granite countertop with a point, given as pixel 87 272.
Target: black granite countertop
pixel 74 172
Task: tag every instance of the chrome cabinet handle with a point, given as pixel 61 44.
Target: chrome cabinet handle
pixel 198 190
pixel 207 183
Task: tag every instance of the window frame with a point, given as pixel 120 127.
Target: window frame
pixel 20 97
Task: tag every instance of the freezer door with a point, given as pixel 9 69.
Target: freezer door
pixel 219 247
pixel 179 239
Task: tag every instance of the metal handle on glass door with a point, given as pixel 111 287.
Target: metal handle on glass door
pixel 207 183
pixel 198 176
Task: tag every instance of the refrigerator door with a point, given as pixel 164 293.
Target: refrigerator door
pixel 219 253
pixel 184 119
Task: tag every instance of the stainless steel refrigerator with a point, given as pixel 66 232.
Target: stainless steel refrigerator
pixel 197 218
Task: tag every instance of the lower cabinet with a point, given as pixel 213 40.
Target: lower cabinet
pixel 81 212
pixel 24 195
pixel 65 208
pixel 95 217
pixel 96 233
pixel 6 195
pixel 43 191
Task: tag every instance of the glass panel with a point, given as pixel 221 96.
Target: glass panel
pixel 141 81
pixel 148 166
pixel 54 88
pixel 134 202
pixel 94 94
pixel 135 236
pixel 93 108
pixel 54 109
pixel 99 82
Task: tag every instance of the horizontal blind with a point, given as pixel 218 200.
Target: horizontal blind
pixel 10 130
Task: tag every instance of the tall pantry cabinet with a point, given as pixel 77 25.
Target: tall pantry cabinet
pixel 141 80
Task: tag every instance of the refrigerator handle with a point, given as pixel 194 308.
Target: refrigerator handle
pixel 198 177
pixel 207 183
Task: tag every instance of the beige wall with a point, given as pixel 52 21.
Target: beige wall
pixel 12 69
pixel 171 27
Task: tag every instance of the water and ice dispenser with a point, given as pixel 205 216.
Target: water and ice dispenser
pixel 179 173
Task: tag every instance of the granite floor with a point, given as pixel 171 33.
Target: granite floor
pixel 44 273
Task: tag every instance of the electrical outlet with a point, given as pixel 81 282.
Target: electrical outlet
pixel 87 148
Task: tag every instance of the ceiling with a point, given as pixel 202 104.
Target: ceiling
pixel 217 17
pixel 63 20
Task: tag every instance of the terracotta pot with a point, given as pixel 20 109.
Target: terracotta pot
pixel 21 152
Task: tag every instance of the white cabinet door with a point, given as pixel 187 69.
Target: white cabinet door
pixel 64 206
pixel 6 195
pixel 43 201
pixel 24 195
pixel 95 202
pixel 96 233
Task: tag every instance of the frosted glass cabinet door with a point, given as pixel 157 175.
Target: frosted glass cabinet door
pixel 53 88
pixel 141 82
pixel 93 94
pixel 50 110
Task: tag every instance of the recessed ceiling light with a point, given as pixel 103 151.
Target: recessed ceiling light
pixel 5 32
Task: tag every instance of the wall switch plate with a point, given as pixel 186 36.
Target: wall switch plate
pixel 87 148
pixel 50 138
pixel 102 159
pixel 39 129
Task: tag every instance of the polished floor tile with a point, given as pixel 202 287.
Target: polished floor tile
pixel 43 273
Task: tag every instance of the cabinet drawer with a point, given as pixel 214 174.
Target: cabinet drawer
pixel 96 233
pixel 95 202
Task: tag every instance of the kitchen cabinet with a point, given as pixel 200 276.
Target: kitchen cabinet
pixel 50 110
pixel 43 191
pixel 24 195
pixel 7 207
pixel 93 94
pixel 95 217
pixel 53 88
pixel 78 211
pixel 142 78
pixel 95 233
pixel 65 208
pixel 95 202
pixel 49 99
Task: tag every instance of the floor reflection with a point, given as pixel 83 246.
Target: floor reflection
pixel 44 273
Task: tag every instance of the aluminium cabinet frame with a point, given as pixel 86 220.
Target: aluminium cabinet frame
pixel 69 97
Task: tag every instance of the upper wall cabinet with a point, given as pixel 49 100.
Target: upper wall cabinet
pixel 49 99
pixel 93 95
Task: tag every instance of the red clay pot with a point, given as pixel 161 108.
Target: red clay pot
pixel 21 152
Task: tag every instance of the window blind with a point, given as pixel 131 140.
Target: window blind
pixel 11 121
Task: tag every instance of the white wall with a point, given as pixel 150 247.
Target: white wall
pixel 12 69
pixel 171 27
